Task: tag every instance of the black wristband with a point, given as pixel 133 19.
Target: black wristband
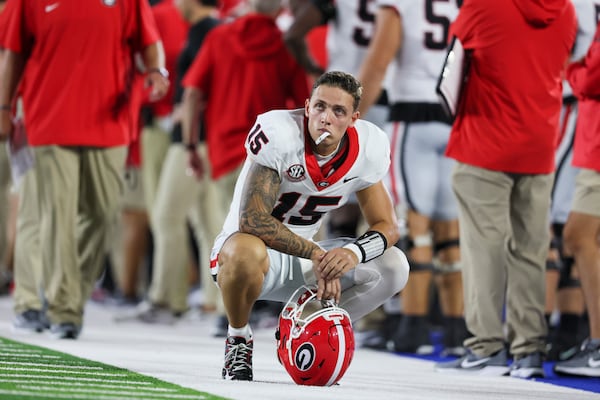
pixel 5 107
pixel 191 146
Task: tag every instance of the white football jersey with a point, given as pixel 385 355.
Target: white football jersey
pixel 416 67
pixel 278 141
pixel 349 33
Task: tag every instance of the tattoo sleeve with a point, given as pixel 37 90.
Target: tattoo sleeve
pixel 260 194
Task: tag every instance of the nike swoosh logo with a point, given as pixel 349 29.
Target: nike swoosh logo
pixel 51 7
pixel 349 179
pixel 470 364
pixel 593 363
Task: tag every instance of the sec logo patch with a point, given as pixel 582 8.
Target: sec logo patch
pixel 296 173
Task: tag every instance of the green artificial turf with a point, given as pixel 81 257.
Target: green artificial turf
pixel 32 372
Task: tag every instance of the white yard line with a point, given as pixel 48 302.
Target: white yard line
pixel 89 384
pixel 30 364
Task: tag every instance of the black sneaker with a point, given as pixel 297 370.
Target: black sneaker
pixel 492 365
pixel 585 363
pixel 564 340
pixel 238 359
pixel 30 321
pixel 64 330
pixel 413 336
pixel 455 333
pixel 528 366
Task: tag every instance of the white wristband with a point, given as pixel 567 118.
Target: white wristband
pixel 356 250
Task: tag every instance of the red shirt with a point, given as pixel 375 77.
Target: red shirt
pixel 316 42
pixel 78 54
pixel 243 70
pixel 584 78
pixel 173 30
pixel 4 15
pixel 509 121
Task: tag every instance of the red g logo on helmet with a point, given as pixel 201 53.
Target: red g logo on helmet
pixel 315 349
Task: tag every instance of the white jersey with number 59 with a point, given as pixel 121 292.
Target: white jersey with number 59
pixel 414 72
pixel 350 32
pixel 279 140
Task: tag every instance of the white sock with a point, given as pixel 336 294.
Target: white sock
pixel 244 331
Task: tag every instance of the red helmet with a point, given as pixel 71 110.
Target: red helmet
pixel 315 349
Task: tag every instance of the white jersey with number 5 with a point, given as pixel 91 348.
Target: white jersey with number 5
pixel 416 67
pixel 279 140
pixel 350 32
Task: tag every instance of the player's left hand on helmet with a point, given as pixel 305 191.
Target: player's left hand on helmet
pixel 336 263
pixel 329 290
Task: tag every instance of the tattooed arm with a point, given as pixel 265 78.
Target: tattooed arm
pixel 258 199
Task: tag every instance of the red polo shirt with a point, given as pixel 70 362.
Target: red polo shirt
pixel 243 69
pixel 173 30
pixel 78 56
pixel 584 78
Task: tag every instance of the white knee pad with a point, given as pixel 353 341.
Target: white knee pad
pixel 446 268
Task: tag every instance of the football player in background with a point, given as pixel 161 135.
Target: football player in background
pixel 420 177
pixel 300 165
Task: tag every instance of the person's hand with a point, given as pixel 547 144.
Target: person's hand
pixel 6 124
pixel 158 84
pixel 329 290
pixel 195 167
pixel 335 263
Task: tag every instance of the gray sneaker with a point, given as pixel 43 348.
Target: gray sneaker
pixel 64 330
pixel 492 365
pixel 150 313
pixel 586 362
pixel 528 366
pixel 30 321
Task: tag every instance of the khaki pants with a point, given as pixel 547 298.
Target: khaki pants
pixel 155 142
pixel 181 198
pixel 79 192
pixel 5 185
pixel 28 268
pixel 504 240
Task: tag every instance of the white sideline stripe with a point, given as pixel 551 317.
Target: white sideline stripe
pixel 113 392
pixel 68 378
pixel 76 396
pixel 46 365
pixel 62 371
pixel 101 385
pixel 21 351
pixel 29 356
